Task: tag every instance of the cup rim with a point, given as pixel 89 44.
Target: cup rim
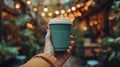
pixel 60 21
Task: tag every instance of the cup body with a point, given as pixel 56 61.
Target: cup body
pixel 60 29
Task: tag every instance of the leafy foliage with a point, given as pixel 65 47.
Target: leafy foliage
pixel 78 35
pixel 27 39
pixel 7 50
pixel 116 9
pixel 107 40
pixel 116 44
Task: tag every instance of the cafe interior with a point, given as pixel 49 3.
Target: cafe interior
pixel 96 30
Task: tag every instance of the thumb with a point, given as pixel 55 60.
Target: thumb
pixel 48 45
pixel 47 37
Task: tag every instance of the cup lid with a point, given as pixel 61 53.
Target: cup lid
pixel 60 21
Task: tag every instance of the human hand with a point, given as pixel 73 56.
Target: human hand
pixel 61 56
pixel 48 45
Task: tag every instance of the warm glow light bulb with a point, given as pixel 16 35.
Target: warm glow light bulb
pixel 81 4
pixel 89 2
pixel 62 11
pixel 56 12
pixel 78 5
pixel 29 25
pixel 17 6
pixel 28 2
pixel 72 17
pixel 68 10
pixel 42 14
pixel 86 8
pixel 95 22
pixel 73 8
pixel 91 24
pixel 85 28
pixel 50 14
pixel 35 9
pixel 45 9
pixel 65 15
pixel 79 14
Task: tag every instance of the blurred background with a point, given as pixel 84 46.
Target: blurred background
pixel 96 30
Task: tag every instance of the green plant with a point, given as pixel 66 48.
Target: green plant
pixel 116 44
pixel 115 49
pixel 6 50
pixel 22 20
pixel 77 33
pixel 32 46
pixel 23 36
pixel 107 40
pixel 116 11
pixel 29 40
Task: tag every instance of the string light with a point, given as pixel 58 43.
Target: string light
pixel 68 10
pixel 89 2
pixel 76 12
pixel 91 24
pixel 57 12
pixel 65 15
pixel 72 17
pixel 84 28
pixel 30 26
pixel 49 14
pixel 42 14
pixel 45 9
pixel 86 8
pixel 17 6
pixel 73 8
pixel 78 5
pixel 62 11
pixel 95 22
pixel 28 2
pixel 81 4
pixel 82 9
pixel 79 14
pixel 35 9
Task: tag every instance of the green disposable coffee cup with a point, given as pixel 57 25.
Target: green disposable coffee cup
pixel 60 29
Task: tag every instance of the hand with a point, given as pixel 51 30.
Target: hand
pixel 48 45
pixel 61 56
